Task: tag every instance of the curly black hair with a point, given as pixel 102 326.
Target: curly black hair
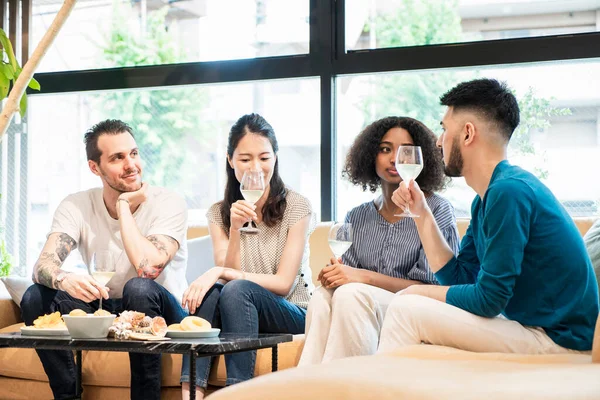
pixel 360 161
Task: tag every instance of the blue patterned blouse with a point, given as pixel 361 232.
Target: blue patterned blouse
pixel 394 249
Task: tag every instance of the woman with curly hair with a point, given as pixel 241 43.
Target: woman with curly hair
pixel 346 313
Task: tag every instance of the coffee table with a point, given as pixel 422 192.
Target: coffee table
pixel 224 344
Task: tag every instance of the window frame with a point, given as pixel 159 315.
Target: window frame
pixel 328 60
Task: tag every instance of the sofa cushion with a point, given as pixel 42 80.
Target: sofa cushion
pixel 430 352
pixel 16 287
pixel 10 314
pixel 22 389
pixel 592 244
pixel 110 368
pixel 200 257
pixel 390 377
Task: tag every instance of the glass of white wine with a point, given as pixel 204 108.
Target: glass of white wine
pixel 340 238
pixel 102 268
pixel 252 187
pixel 409 164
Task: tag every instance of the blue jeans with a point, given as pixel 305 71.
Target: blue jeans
pixel 243 307
pixel 139 294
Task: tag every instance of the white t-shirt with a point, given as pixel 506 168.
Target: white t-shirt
pixel 84 217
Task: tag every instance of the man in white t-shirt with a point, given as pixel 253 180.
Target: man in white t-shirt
pixel 143 228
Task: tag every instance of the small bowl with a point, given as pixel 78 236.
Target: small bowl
pixel 89 326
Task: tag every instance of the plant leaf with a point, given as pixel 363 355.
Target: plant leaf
pixel 23 105
pixel 4 84
pixel 34 84
pixel 7 71
pixel 7 45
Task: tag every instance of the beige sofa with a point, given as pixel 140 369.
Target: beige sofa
pixel 106 374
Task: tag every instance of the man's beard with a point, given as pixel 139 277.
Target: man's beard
pixel 455 162
pixel 117 186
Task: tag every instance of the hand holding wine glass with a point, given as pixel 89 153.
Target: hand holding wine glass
pixel 340 238
pixel 102 268
pixel 409 164
pixel 252 187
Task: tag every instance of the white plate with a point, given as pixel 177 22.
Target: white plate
pixel 213 332
pixel 33 331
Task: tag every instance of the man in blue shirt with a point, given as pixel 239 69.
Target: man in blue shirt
pixel 522 281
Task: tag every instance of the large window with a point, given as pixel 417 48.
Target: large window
pixel 182 135
pixel 388 23
pixel 117 33
pixel 558 139
pixel 181 72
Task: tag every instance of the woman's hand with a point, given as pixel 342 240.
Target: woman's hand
pixel 241 212
pixel 337 274
pixel 194 294
pixel 410 196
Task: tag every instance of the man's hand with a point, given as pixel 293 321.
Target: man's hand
pixel 133 199
pixel 337 274
pixel 83 287
pixel 194 294
pixel 410 196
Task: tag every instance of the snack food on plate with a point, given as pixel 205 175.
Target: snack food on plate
pixel 132 317
pixel 174 327
pixel 195 324
pixel 133 322
pixel 49 321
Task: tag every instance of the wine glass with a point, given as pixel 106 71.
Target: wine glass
pixel 409 164
pixel 252 187
pixel 340 238
pixel 102 268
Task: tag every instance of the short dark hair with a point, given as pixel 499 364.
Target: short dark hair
pixel 360 161
pixel 276 202
pixel 492 99
pixel 106 127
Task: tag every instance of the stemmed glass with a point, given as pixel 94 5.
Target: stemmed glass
pixel 252 187
pixel 409 164
pixel 340 238
pixel 102 268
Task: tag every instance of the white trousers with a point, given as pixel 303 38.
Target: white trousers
pixel 413 319
pixel 344 322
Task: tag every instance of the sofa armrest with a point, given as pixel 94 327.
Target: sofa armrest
pixel 10 313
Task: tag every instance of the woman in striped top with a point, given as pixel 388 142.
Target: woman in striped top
pixel 346 313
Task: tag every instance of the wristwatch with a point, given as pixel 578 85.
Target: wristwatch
pixel 59 278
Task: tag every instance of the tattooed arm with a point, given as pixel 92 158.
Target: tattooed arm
pixel 149 255
pixel 55 251
pixel 47 268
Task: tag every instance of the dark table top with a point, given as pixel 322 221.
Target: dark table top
pixel 224 343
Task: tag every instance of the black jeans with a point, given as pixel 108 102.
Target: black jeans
pixel 139 294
